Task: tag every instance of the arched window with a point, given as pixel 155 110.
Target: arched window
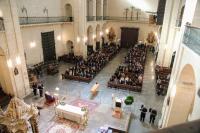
pixel 68 11
pixel 90 35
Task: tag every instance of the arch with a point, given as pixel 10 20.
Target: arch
pixel 90 35
pixel 98 8
pixel 68 11
pixel 104 28
pixel 98 30
pixel 183 100
pixel 70 46
pixel 5 81
pixel 90 8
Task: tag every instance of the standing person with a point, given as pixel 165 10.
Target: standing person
pixel 34 86
pixel 41 87
pixel 143 113
pixel 153 114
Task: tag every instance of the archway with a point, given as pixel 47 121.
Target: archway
pixel 90 40
pixel 68 11
pixel 104 34
pixel 98 30
pixel 98 37
pixel 70 46
pixel 90 35
pixel 183 99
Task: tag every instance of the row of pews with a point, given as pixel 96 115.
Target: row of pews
pixel 162 79
pixel 86 70
pixel 130 76
pixel 70 58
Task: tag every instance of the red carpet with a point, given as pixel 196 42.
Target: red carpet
pixel 91 106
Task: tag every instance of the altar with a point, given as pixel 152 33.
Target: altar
pixel 72 113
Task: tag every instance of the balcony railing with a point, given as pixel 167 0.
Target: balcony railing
pixel 134 19
pixel 191 38
pixel 2 28
pixel 91 18
pixel 39 20
pixel 99 18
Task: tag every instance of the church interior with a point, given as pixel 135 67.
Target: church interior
pixel 99 66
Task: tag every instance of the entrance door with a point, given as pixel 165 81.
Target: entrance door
pixel 48 45
pixel 129 36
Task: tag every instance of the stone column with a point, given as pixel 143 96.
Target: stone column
pixel 168 33
pixel 80 13
pixel 15 50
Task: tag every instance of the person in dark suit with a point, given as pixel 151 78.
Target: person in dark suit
pixel 153 114
pixel 41 87
pixel 143 113
pixel 34 86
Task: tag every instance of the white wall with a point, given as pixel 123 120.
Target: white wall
pixel 116 7
pixel 33 34
pixel 144 29
pixel 189 57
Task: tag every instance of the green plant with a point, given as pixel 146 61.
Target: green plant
pixel 129 100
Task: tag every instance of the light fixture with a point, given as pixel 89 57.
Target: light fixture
pixel 94 36
pixel 107 31
pixel 18 60
pixel 32 44
pixel 85 39
pixel 78 39
pixel 9 63
pixel 101 33
pixel 58 37
pixel 57 89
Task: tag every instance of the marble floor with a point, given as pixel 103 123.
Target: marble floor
pixel 81 90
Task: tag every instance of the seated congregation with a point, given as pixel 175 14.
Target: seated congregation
pixel 86 70
pixel 70 58
pixel 130 76
pixel 162 79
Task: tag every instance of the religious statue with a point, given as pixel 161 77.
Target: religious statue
pixel 111 35
pixel 151 38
